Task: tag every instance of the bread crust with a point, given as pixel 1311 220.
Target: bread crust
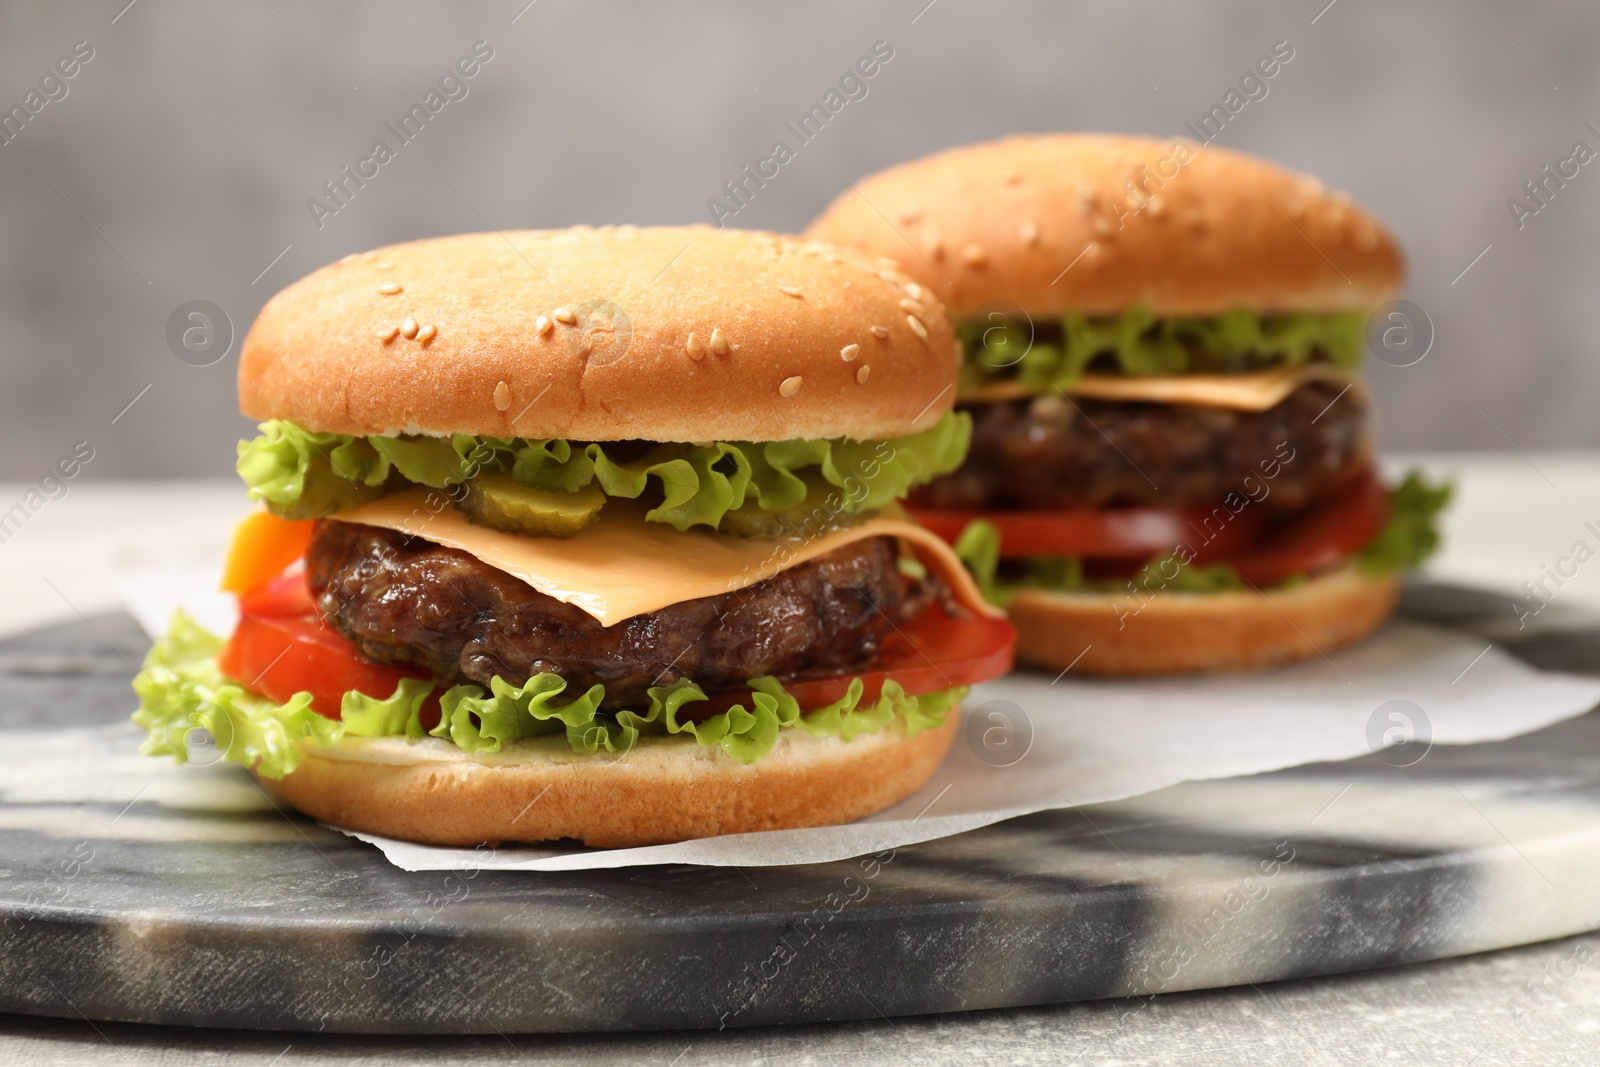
pixel 1043 222
pixel 665 790
pixel 772 318
pixel 1181 633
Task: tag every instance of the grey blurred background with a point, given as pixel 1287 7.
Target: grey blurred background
pixel 179 162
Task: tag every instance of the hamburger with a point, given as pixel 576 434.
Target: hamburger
pixel 1172 464
pixel 588 535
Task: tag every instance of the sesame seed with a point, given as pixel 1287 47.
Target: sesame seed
pixel 409 328
pixel 880 332
pixel 849 352
pixel 917 327
pixel 696 349
pixel 1100 225
pixel 885 261
pixel 502 396
pixel 790 386
pixel 912 289
pixel 1029 233
pixel 564 316
pixel 892 277
pixel 427 333
pixel 863 373
pixel 385 266
pixel 974 254
pixel 542 325
pixel 790 290
pixel 913 307
pixel 388 333
pixel 1156 206
pixel 389 288
pixel 719 343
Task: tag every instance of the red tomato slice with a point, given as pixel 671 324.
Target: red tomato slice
pixel 279 656
pixel 1324 537
pixel 282 647
pixel 286 596
pixel 1110 533
pixel 927 654
pixel 1122 539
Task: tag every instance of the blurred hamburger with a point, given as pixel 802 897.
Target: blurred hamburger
pixel 588 535
pixel 1172 465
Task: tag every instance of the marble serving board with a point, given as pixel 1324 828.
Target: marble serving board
pixel 254 917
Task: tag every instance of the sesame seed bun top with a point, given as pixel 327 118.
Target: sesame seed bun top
pixel 1100 223
pixel 661 334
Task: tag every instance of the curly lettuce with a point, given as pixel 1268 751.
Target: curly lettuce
pixel 1408 537
pixel 1412 533
pixel 1142 343
pixel 303 474
pixel 181 689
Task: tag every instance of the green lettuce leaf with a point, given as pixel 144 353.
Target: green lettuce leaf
pixel 1412 533
pixel 301 474
pixel 1141 343
pixel 181 689
pixel 978 547
pixel 1188 577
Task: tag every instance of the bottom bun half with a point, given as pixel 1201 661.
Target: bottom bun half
pixel 1181 633
pixel 666 789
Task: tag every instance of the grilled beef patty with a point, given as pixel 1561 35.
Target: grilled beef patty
pixel 1051 453
pixel 406 601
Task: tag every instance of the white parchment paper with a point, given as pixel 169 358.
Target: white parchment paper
pixel 1030 742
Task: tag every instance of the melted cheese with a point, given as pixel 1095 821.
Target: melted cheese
pixel 1254 391
pixel 621 566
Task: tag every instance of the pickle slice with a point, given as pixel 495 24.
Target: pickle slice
pixel 493 499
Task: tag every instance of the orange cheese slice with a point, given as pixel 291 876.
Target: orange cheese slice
pixel 1252 391
pixel 621 566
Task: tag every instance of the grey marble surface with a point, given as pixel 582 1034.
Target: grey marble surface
pixel 1475 1011
pixel 251 918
